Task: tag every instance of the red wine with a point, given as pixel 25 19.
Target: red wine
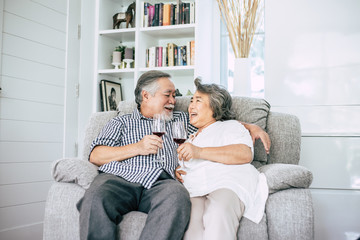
pixel 179 140
pixel 159 133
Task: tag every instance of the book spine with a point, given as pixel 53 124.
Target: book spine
pixel 188 54
pixel 192 51
pixel 171 54
pixel 167 14
pixel 187 13
pixel 183 55
pixel 164 56
pixel 178 12
pixel 152 56
pixel 146 14
pixel 156 56
pixel 147 58
pixel 161 14
pixel 151 14
pixel 192 12
pixel 176 56
pixel 156 15
pixel 143 14
pixel 182 13
pixel 179 56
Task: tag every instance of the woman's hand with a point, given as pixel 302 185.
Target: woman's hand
pixel 178 173
pixel 187 151
pixel 257 132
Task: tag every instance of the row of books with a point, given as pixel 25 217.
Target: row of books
pixel 160 14
pixel 171 55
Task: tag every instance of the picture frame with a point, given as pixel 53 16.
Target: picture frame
pixel 110 95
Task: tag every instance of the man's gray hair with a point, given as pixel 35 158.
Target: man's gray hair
pixel 220 100
pixel 148 82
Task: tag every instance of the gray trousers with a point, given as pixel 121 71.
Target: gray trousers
pixel 109 197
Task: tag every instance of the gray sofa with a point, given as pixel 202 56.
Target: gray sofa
pixel 289 208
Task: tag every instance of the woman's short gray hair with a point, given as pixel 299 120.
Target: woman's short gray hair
pixel 220 100
pixel 148 82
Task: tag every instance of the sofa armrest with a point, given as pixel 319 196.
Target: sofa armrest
pixel 290 215
pixel 284 176
pixel 74 170
pixel 61 218
pixel 285 134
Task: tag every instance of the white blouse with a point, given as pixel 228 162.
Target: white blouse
pixel 204 177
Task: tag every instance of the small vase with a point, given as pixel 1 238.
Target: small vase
pixel 242 79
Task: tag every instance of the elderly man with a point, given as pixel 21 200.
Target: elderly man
pixel 130 179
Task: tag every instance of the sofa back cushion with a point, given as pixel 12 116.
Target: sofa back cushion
pixel 248 110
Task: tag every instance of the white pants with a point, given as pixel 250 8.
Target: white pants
pixel 215 216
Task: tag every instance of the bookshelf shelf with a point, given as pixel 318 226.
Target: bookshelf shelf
pixel 122 35
pixel 117 72
pixel 173 31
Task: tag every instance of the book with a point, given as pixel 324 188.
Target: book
pixel 176 56
pixel 173 14
pixel 171 54
pixel 161 13
pixel 183 56
pixel 151 13
pixel 192 12
pixel 146 14
pixel 186 13
pixel 143 15
pixel 192 52
pixel 152 57
pixel 103 95
pixel 147 58
pixel 188 53
pixel 156 15
pixel 178 11
pixel 160 56
pixel 167 15
pixel 164 57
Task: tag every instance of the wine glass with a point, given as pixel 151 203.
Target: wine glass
pixel 159 129
pixel 179 135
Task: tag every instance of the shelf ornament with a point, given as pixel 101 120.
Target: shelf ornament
pixel 127 17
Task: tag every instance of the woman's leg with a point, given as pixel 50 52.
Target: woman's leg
pixel 196 226
pixel 223 211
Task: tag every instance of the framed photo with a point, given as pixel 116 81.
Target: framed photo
pixel 110 95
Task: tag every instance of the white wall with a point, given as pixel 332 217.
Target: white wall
pixel 31 110
pixel 312 70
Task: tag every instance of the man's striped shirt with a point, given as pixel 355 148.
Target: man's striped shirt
pixel 131 128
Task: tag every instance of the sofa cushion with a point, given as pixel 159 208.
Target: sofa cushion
pixel 283 176
pixel 74 170
pixel 95 125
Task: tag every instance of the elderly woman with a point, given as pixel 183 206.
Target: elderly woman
pixel 222 183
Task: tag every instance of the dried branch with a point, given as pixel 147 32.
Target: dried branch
pixel 241 19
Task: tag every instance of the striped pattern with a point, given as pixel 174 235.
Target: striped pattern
pixel 130 129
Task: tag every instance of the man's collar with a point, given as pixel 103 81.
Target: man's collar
pixel 137 115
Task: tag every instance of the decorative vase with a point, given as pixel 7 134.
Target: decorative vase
pixel 128 62
pixel 116 59
pixel 242 79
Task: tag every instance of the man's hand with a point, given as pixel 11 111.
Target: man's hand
pixel 149 145
pixel 256 132
pixel 187 151
pixel 178 173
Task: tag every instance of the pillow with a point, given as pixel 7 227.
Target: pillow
pixel 73 170
pixel 284 176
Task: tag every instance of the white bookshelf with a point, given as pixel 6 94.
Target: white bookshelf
pixel 141 38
